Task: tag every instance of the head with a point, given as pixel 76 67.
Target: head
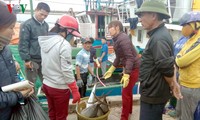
pixel 91 39
pixel 87 43
pixel 191 23
pixel 151 14
pixel 42 11
pixel 7 24
pixel 103 40
pixel 66 26
pixel 115 27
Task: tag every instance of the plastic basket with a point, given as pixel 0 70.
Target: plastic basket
pixel 80 106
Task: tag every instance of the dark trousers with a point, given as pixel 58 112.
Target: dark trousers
pixel 151 111
pixel 58 102
pixel 83 89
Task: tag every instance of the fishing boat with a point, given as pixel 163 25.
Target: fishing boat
pixel 93 23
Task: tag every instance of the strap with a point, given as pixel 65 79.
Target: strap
pixel 193 46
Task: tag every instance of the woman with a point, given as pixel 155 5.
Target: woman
pixel 188 60
pixel 128 57
pixel 8 74
pixel 57 67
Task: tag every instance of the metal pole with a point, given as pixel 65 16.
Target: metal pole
pixel 31 7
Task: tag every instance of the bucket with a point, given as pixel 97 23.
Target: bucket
pixel 82 105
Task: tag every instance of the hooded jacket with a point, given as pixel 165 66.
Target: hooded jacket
pixel 57 67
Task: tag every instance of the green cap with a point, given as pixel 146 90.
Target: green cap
pixel 153 6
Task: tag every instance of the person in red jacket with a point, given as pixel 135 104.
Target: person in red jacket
pixel 128 57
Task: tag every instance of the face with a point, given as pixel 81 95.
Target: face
pixel 113 31
pixel 103 41
pixel 87 46
pixel 147 20
pixel 41 15
pixel 8 32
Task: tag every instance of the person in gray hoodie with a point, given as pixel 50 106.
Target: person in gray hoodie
pixel 57 67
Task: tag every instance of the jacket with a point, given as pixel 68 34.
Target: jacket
pixel 157 61
pixel 188 62
pixel 57 67
pixel 8 76
pixel 29 48
pixel 126 55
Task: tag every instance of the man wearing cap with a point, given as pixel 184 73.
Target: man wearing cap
pixel 29 48
pixel 82 66
pixel 157 78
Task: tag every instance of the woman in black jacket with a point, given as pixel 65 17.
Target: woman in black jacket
pixel 8 74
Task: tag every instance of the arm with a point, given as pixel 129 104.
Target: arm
pixel 66 62
pixel 78 75
pixel 24 42
pixel 90 70
pixel 174 86
pixel 188 58
pixel 8 99
pixel 79 59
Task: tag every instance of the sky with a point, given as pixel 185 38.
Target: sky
pixel 56 5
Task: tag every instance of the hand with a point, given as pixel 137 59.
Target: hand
pixel 75 92
pixel 17 66
pixel 109 72
pixel 27 92
pixel 28 64
pixel 94 76
pixel 176 90
pixel 80 83
pixel 125 80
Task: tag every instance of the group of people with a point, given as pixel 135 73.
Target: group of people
pixel 47 54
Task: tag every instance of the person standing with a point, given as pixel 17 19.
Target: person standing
pixel 157 70
pixel 128 57
pixel 29 48
pixel 92 57
pixel 188 62
pixel 8 73
pixel 57 67
pixel 82 66
pixel 104 55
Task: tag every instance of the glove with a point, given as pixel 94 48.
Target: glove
pixel 109 72
pixel 94 77
pixel 125 80
pixel 80 83
pixel 75 92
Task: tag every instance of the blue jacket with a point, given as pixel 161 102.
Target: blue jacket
pixel 8 76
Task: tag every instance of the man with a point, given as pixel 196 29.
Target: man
pixel 127 56
pixel 104 55
pixel 157 78
pixel 82 66
pixel 29 48
pixel 92 57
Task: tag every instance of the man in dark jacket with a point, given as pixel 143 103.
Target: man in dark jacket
pixel 29 48
pixel 157 78
pixel 127 56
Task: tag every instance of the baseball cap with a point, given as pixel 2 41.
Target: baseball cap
pixel 86 40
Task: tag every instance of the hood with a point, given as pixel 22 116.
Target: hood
pixel 47 42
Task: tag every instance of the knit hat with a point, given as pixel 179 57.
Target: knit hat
pixel 7 18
